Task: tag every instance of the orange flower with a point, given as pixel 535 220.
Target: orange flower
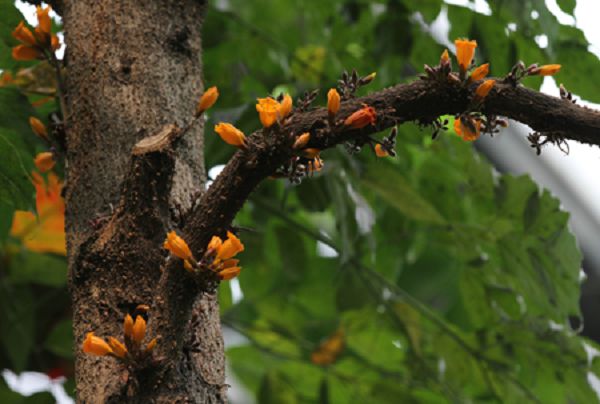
pixel 380 152
pixel 546 70
pixel 207 100
pixel 117 347
pixel 46 231
pixel 44 162
pixel 315 164
pixel 151 345
pixel 229 273
pixel 468 131
pixel 44 21
pixel 38 127
pixel 480 72
pixel 215 243
pixel 465 50
pixel 177 246
pixel 24 35
pixel 128 326
pixel 139 330
pixel 361 118
pixel 445 58
pixel 230 134
pixel 25 53
pixel 484 89
pixel 328 352
pixel 230 247
pixel 333 102
pixel 301 141
pixel 268 110
pixel 286 106
pixel 95 346
pixel 54 42
pixel 311 153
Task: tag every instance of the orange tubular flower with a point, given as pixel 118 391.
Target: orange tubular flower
pixel 44 162
pixel 229 273
pixel 268 111
pixel 43 30
pixel 465 50
pixel 301 141
pixel 480 72
pixel 230 247
pixel 361 118
pixel 139 330
pixel 207 100
pixel 26 53
pixel 96 346
pixel 117 347
pixel 151 345
pixel 547 70
pixel 177 246
pixel 24 35
pixel 54 42
pixel 38 127
pixel 128 326
pixel 445 58
pixel 286 106
pixel 230 134
pixel 333 102
pixel 469 131
pixel 215 243
pixel 380 152
pixel 484 89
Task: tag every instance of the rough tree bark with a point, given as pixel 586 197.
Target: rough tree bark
pixel 133 68
pixel 134 166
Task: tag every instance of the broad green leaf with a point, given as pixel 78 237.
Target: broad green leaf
pixel 60 340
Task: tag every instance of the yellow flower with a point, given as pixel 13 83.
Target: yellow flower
pixel 380 152
pixel 230 247
pixel 547 70
pixel 177 246
pixel 465 50
pixel 128 326
pixel 301 141
pixel 95 346
pixel 468 131
pixel 333 102
pixel 139 330
pixel 24 35
pixel 38 127
pixel 480 72
pixel 44 162
pixel 286 106
pixel 229 273
pixel 207 100
pixel 361 118
pixel 230 134
pixel 484 89
pixel 117 347
pixel 25 53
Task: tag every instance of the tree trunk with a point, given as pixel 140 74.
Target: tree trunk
pixel 132 68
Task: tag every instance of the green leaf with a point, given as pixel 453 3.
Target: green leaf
pixel 43 269
pixel 391 186
pixel 60 340
pixel 17 319
pixel 9 18
pixel 275 389
pixel 568 6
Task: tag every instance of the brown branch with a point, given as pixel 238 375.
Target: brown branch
pixel 268 149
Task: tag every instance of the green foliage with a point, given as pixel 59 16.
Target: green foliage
pixel 449 283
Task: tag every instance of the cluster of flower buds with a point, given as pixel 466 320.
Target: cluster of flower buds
pixel 39 44
pixel 386 147
pixel 132 351
pixel 519 71
pixel 349 83
pixel 538 140
pixel 566 95
pixel 271 110
pixel 217 259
